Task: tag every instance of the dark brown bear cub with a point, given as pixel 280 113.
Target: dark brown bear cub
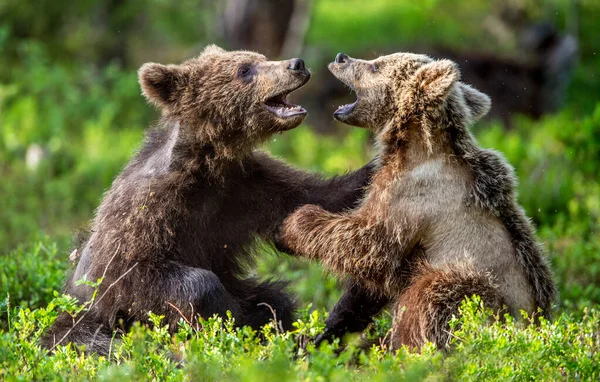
pixel 173 234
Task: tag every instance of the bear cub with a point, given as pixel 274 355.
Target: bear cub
pixel 440 220
pixel 174 233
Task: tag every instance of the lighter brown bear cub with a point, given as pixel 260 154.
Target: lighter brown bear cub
pixel 440 220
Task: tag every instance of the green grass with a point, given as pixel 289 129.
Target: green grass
pixel 482 348
pixel 90 120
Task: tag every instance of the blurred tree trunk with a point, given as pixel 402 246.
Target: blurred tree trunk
pixel 272 27
pixel 294 39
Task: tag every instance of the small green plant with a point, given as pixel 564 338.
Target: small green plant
pixel 482 347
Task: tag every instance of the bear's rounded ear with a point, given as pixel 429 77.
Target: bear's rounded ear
pixel 213 49
pixel 432 82
pixel 160 83
pixel 479 104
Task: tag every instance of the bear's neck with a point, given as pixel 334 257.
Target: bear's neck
pixel 410 144
pixel 198 150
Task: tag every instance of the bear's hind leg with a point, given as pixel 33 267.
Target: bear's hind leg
pixel 265 301
pixel 192 291
pixel 173 290
pixel 96 337
pixel 431 300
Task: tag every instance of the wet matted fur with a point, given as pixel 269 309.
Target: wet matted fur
pixel 173 235
pixel 436 197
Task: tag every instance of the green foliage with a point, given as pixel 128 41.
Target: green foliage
pixel 332 155
pixel 67 114
pixel 565 348
pixel 30 274
pixel 557 163
pixel 70 94
pixel 349 24
pixel 100 30
pixel 483 347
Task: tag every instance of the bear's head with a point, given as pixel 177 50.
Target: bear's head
pixel 401 86
pixel 221 96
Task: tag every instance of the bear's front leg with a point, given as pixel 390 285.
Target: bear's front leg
pixel 346 243
pixel 349 244
pixel 299 232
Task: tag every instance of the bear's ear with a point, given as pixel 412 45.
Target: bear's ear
pixel 433 82
pixel 213 49
pixel 160 82
pixel 479 104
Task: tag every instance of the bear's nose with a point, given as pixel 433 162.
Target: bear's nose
pixel 296 64
pixel 341 58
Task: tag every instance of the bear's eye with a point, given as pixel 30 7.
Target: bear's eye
pixel 374 68
pixel 244 71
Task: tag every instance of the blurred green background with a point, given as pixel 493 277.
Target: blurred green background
pixel 71 113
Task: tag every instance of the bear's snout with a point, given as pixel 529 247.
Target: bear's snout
pixel 296 64
pixel 341 58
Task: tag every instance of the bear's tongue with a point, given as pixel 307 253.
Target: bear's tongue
pixel 279 106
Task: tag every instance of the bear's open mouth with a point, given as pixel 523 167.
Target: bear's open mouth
pixel 346 109
pixel 279 106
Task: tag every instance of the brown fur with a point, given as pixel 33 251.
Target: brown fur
pixel 178 225
pixel 435 196
pixel 425 307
